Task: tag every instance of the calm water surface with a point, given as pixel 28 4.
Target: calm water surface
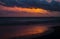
pixel 22 30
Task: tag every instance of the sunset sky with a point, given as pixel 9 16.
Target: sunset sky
pixel 29 8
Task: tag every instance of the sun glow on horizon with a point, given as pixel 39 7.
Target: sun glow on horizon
pixel 32 10
pixel 28 10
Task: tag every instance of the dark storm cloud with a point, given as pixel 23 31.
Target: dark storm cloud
pixel 53 6
pixel 20 3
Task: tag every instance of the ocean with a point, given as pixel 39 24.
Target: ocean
pixel 27 27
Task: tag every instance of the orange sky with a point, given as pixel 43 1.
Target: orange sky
pixel 28 12
pixel 32 10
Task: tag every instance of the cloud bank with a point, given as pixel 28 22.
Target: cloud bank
pixel 53 6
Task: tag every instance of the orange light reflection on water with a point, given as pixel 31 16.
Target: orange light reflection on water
pixel 16 31
pixel 33 30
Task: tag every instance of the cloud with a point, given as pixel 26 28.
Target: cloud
pixel 28 8
pixel 54 6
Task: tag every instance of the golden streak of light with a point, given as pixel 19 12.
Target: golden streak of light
pixel 32 10
pixel 29 10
